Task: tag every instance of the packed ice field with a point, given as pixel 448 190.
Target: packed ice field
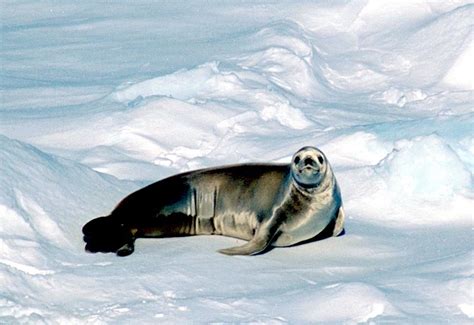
pixel 100 99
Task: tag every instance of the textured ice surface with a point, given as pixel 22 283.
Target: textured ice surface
pixel 100 99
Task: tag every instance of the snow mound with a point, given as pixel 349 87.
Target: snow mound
pixel 208 83
pixel 38 196
pixel 287 59
pixel 422 181
pixel 426 168
pixel 282 67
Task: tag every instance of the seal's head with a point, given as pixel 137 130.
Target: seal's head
pixel 309 167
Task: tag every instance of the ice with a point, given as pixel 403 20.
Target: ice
pixel 100 99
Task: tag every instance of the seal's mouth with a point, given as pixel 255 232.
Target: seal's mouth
pixel 308 165
pixel 308 168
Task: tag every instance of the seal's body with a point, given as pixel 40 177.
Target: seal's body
pixel 266 204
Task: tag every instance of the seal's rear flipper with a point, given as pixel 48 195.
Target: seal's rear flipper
pixel 126 249
pixel 97 226
pixel 107 235
pixel 253 247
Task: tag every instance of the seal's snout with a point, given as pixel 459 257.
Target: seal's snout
pixel 309 162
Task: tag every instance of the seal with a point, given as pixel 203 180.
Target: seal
pixel 265 204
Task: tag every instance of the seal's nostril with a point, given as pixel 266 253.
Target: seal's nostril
pixel 308 161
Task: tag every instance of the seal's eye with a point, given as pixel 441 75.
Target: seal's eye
pixel 320 159
pixel 297 160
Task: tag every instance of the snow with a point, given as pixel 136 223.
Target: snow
pixel 460 75
pixel 100 99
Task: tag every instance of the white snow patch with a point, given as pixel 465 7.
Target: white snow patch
pixel 14 223
pixel 384 14
pixel 349 303
pixel 467 309
pixel 357 149
pixel 461 74
pixel 41 222
pixel 282 112
pixel 26 268
pixel 183 84
pixel 401 98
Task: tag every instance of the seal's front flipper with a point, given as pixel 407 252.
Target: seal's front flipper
pixel 251 248
pixel 339 224
pixel 261 240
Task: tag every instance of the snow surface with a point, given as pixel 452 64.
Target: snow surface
pixel 99 99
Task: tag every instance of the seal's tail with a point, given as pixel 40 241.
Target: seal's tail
pixel 107 234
